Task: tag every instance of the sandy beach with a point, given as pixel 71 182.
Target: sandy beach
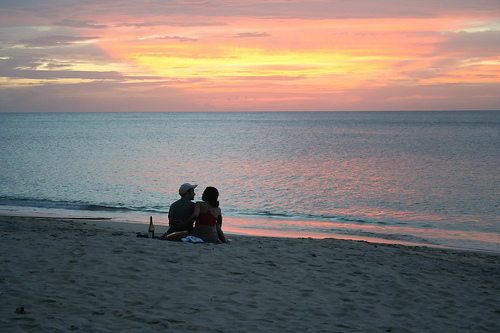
pixel 95 276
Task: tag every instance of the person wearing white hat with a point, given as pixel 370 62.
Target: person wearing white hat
pixel 181 210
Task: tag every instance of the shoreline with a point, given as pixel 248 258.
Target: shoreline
pixel 238 230
pixel 96 275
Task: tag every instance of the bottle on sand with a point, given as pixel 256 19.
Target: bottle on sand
pixel 151 230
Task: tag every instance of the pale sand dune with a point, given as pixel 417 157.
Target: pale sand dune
pixel 94 276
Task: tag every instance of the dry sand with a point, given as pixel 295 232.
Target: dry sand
pixel 95 276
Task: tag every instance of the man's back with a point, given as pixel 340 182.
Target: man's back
pixel 180 211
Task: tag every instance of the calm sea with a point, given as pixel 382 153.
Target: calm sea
pixel 425 177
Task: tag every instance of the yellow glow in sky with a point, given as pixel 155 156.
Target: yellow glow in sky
pixel 326 53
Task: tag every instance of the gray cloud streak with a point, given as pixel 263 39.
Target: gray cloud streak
pixel 80 24
pixel 46 41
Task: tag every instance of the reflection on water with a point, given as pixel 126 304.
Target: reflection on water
pixel 370 233
pixel 431 173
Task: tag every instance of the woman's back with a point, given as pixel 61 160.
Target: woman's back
pixel 208 215
pixel 205 225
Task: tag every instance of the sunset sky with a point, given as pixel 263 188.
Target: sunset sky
pixel 240 55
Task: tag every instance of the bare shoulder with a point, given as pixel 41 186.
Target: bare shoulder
pixel 202 205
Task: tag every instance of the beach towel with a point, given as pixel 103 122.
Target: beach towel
pixel 192 239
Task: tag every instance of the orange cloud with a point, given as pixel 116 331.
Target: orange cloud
pixel 285 48
pixel 229 56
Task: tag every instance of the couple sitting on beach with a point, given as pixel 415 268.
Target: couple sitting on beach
pixel 205 214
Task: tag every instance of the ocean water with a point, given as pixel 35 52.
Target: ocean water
pixel 424 177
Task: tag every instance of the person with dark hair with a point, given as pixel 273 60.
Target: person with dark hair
pixel 208 217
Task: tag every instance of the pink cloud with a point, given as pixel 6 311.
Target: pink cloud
pixel 241 55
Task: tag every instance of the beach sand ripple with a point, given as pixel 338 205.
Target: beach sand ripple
pixel 94 276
